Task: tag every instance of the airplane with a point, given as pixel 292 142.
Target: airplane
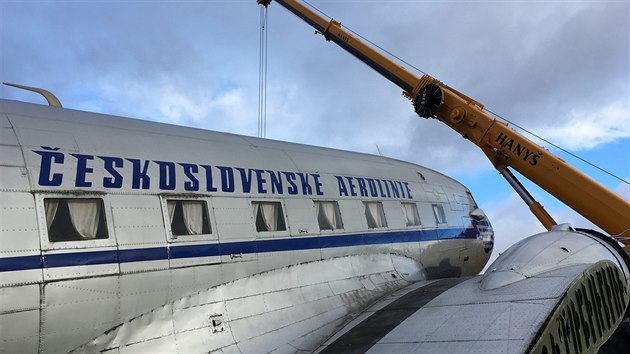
pixel 129 236
pixel 122 236
pixel 112 225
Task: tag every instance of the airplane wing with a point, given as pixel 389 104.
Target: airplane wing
pixel 526 302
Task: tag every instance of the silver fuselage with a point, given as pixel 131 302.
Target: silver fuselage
pixel 56 295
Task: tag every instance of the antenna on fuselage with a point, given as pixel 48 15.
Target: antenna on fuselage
pixel 52 99
pixel 379 150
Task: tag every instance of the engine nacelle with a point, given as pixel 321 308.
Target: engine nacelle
pixel 589 274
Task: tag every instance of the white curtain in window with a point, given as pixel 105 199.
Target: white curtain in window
pixel 50 205
pixel 369 215
pixel 260 220
pixel 411 213
pixel 193 217
pixel 256 207
pixel 328 216
pixel 171 209
pixel 322 218
pixel 270 215
pixel 405 212
pixel 85 215
pixel 375 215
pixel 338 224
pixel 438 211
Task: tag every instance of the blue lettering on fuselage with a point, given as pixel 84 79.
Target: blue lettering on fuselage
pixel 192 185
pixel 347 187
pixel 167 175
pixel 276 182
pixel 141 179
pixel 372 185
pixel 246 179
pixel 318 184
pixel 352 186
pixel 48 158
pixel 292 189
pixel 227 179
pixel 110 172
pixel 83 170
pixel 115 179
pixel 261 181
pixel 209 184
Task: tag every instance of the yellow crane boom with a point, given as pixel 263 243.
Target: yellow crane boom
pixel 501 144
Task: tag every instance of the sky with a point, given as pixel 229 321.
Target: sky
pixel 558 68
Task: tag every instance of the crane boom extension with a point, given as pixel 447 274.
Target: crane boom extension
pixel 501 144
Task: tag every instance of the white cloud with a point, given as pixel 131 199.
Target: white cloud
pixel 433 144
pixel 518 65
pixel 574 219
pixel 162 100
pixel 587 130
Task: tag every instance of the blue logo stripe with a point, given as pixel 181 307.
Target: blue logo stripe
pixel 80 258
pixel 20 263
pixel 306 243
pixel 223 249
pixel 142 254
pixel 195 251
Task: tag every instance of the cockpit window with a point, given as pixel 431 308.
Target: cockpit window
pixel 471 201
pixel 75 219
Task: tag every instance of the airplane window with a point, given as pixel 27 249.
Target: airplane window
pixel 269 216
pixel 471 201
pixel 188 217
pixel 375 215
pixel 328 215
pixel 411 214
pixel 75 219
pixel 438 211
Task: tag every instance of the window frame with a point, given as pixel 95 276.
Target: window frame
pixel 435 214
pixel 417 212
pixel 188 238
pixel 471 201
pixel 315 206
pixel 271 233
pixel 74 244
pixel 381 209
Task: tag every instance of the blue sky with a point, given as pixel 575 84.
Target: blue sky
pixel 558 68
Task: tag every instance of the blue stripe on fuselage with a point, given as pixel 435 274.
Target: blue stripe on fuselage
pixel 174 251
pixel 9 264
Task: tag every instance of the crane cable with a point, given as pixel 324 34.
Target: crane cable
pixel 489 111
pixel 262 74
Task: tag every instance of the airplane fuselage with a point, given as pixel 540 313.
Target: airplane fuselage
pixel 107 218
